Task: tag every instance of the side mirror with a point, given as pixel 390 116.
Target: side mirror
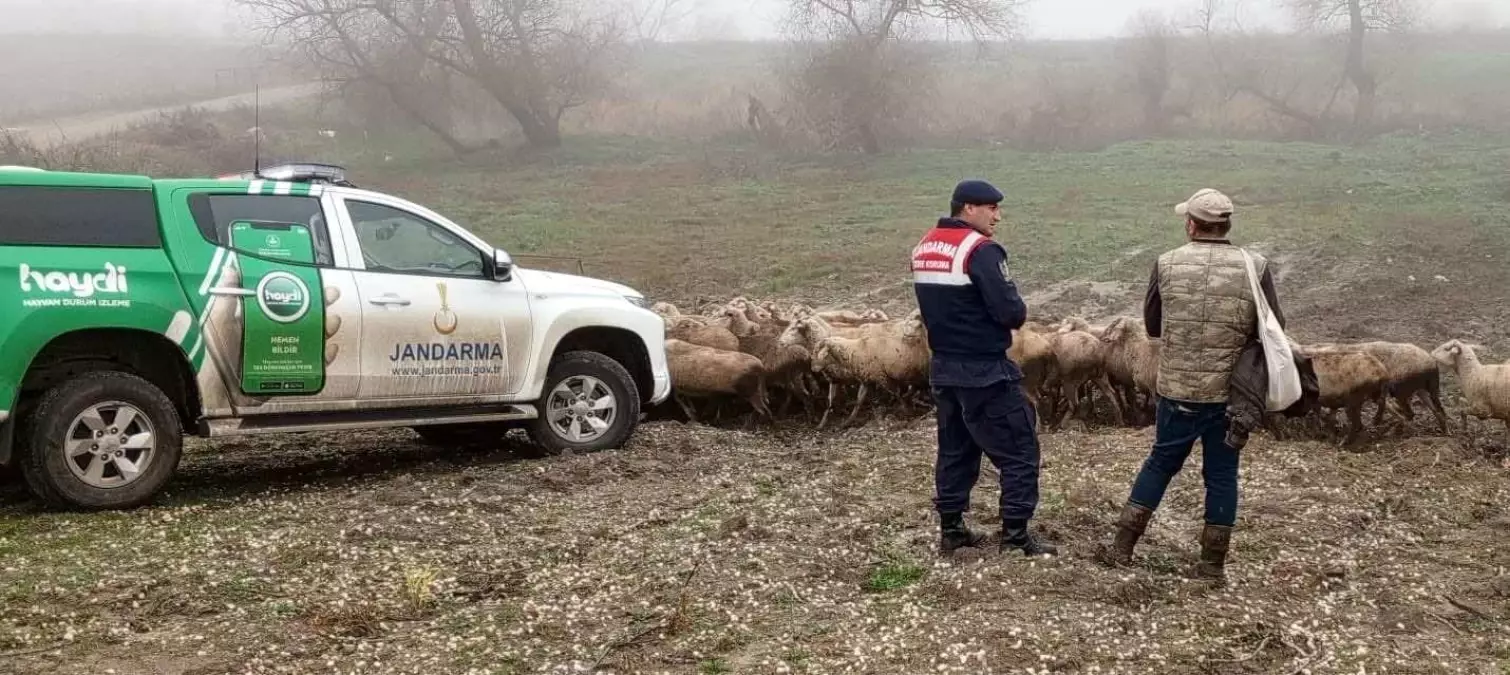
pixel 503 265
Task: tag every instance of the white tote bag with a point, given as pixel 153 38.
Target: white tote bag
pixel 1284 379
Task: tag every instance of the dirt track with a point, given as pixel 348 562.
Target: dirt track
pixel 86 126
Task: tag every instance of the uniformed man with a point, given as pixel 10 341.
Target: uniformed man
pixel 970 306
pixel 1201 303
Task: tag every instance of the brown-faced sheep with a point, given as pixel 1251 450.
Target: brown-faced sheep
pixel 698 371
pixel 1132 362
pixel 1486 387
pixel 887 362
pixel 1080 358
pixel 1033 353
pixel 1412 371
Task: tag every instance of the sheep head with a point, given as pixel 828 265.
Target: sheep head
pixel 1118 331
pixel 823 356
pixel 874 315
pixel 1453 353
pixel 793 336
pixel 913 328
pixel 813 328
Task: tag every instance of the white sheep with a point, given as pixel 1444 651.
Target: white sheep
pixel 1485 387
pixel 887 362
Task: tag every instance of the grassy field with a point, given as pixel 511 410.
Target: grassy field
pixel 1366 229
pixel 700 550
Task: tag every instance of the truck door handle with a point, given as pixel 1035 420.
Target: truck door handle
pixel 245 292
pixel 389 299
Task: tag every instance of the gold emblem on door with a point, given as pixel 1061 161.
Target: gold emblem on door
pixel 445 319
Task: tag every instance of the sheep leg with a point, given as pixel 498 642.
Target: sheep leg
pixel 1402 407
pixel 687 408
pixel 1384 400
pixel 864 388
pixel 1106 388
pixel 1354 421
pixel 1433 395
pixel 1070 390
pixel 758 400
pixel 833 390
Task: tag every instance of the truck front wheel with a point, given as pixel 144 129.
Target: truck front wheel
pixel 589 403
pixel 101 440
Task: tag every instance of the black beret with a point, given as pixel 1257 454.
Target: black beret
pixel 976 192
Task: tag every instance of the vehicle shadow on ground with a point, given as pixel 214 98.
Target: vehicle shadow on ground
pixel 233 470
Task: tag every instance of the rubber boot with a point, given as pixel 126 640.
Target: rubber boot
pixel 953 534
pixel 1130 527
pixel 1015 535
pixel 1214 542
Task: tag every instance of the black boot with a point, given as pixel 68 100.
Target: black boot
pixel 1214 542
pixel 953 534
pixel 1130 528
pixel 1015 535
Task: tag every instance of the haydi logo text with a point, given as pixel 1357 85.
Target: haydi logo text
pixel 80 284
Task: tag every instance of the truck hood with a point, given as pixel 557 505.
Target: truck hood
pixel 537 281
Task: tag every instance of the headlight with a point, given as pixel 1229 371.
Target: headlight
pixel 639 301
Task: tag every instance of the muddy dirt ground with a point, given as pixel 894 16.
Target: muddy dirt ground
pixel 701 550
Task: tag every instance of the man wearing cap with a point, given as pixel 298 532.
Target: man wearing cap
pixel 969 307
pixel 1201 303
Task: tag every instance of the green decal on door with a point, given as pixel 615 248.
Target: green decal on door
pixel 283 330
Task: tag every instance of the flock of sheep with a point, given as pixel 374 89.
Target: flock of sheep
pixel 760 352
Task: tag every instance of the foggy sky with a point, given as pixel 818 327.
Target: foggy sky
pixel 710 19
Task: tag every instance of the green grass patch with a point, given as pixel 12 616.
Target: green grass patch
pixel 896 573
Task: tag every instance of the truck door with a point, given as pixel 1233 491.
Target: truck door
pixel 283 313
pixel 276 321
pixel 434 327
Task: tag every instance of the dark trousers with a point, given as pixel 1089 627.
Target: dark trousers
pixel 1179 425
pixel 996 420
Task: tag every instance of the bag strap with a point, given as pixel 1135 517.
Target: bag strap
pixel 1258 294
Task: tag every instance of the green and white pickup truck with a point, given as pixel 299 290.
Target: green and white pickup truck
pixel 139 310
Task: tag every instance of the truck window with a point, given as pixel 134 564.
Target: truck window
pixel 71 216
pixel 401 242
pixel 214 215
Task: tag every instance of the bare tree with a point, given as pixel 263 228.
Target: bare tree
pixel 859 74
pixel 650 19
pixel 1263 67
pixel 1147 54
pixel 1360 17
pixel 536 58
pixel 355 47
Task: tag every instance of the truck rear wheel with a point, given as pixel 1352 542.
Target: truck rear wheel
pixel 589 403
pixel 101 440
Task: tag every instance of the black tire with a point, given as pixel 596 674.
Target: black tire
pixel 627 397
pixel 41 435
pixel 464 434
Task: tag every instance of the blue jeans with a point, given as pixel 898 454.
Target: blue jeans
pixel 1179 425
